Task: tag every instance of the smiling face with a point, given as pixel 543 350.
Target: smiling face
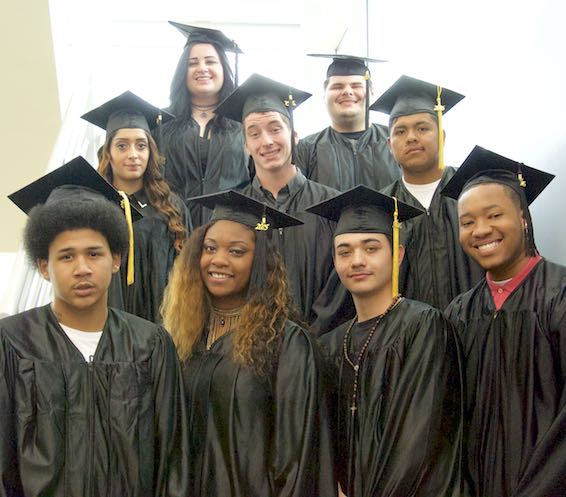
pixel 268 141
pixel 226 263
pixel 413 141
pixel 363 262
pixel 205 75
pixel 129 155
pixel 345 101
pixel 80 267
pixel 492 230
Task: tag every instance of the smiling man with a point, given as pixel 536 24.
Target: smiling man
pixel 90 397
pixel 263 106
pixel 513 330
pixel 435 269
pixel 350 151
pixel 397 391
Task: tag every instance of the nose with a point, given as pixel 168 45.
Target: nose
pixel 411 136
pixel 358 259
pixel 482 228
pixel 82 267
pixel 202 67
pixel 347 91
pixel 219 259
pixel 133 152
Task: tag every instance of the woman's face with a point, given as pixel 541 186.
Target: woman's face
pixel 205 75
pixel 129 155
pixel 226 263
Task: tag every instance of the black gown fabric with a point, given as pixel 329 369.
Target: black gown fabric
pixel 330 158
pixel 405 439
pixel 258 437
pixel 154 255
pixel 111 426
pixel 516 398
pixel 226 166
pixel 435 268
pixel 307 251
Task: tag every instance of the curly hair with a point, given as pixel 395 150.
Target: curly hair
pixel 181 101
pixel 157 189
pixel 47 221
pixel 257 341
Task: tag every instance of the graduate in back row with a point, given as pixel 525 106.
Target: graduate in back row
pixel 512 326
pixel 435 268
pixel 398 393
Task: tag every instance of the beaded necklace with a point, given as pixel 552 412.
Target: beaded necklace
pixel 356 366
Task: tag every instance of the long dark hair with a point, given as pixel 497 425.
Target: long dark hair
pixel 181 98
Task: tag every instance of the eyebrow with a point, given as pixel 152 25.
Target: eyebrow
pixel 72 249
pixel 364 241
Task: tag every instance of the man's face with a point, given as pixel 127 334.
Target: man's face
pixel 492 230
pixel 413 141
pixel 345 98
pixel 363 262
pixel 79 266
pixel 268 141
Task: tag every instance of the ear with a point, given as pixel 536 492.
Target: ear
pixel 42 268
pixel 295 137
pixel 116 261
pixel 401 253
pixel 444 136
pixel 389 143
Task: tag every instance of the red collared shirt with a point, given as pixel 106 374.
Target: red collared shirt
pixel 501 291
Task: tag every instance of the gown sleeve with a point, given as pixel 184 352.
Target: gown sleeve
pixel 302 458
pixel 422 418
pixel 171 458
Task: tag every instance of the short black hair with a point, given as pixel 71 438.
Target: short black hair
pixel 47 221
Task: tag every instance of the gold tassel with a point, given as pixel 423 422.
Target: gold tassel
pixel 395 268
pixel 439 109
pixel 125 204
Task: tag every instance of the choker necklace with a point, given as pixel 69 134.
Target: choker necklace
pixel 221 321
pixel 356 366
pixel 204 109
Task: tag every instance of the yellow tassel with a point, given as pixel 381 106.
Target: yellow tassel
pixel 439 109
pixel 395 268
pixel 125 204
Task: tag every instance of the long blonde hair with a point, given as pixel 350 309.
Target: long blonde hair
pixel 186 309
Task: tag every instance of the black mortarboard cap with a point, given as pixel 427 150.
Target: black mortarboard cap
pixel 261 94
pixel 127 111
pixel 76 179
pixel 197 34
pixel 484 166
pixel 346 65
pixel 364 210
pixel 231 205
pixel 409 96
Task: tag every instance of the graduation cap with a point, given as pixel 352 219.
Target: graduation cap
pixel 196 34
pixel 231 205
pixel 484 166
pixel 77 181
pixel 350 65
pixel 261 94
pixel 127 111
pixel 408 96
pixel 365 210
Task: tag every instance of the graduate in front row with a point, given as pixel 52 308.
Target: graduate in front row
pixel 91 399
pixel 398 391
pixel 435 268
pixel 513 331
pixel 253 377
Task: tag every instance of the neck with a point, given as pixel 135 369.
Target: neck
pixel 128 187
pixel 91 319
pixel 372 305
pixel 511 270
pixel 204 101
pixel 273 181
pixel 423 177
pixel 347 126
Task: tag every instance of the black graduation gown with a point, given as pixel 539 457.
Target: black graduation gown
pixel 307 251
pixel 516 398
pixel 226 167
pixel 435 269
pixel 112 426
pixel 406 437
pixel 332 159
pixel 154 255
pixel 254 437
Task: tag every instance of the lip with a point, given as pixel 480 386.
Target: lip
pixel 486 248
pixel 414 150
pixel 359 276
pixel 219 276
pixel 270 153
pixel 84 289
